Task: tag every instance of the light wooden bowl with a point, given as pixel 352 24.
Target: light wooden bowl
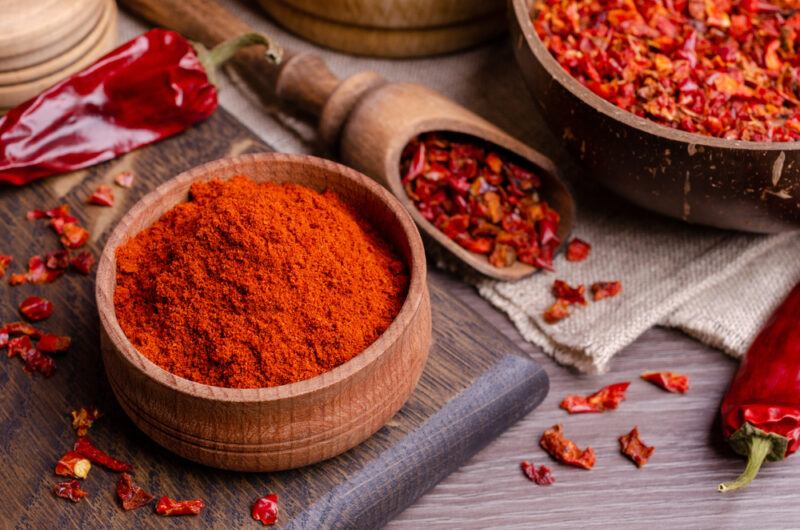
pixel 270 429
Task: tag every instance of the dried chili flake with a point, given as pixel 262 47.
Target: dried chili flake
pixel 53 343
pixel 83 418
pixel 564 450
pixel 4 337
pixel 86 448
pixel 124 179
pixel 578 250
pixel 481 199
pixel 33 360
pixel 57 260
pixel 22 328
pixel 607 398
pixel 39 273
pixel 541 476
pixel 265 509
pixel 73 235
pixel 130 495
pixel 35 308
pixel 19 345
pixel 573 295
pixel 59 212
pixel 83 262
pixel 5 261
pixel 69 489
pixel 669 381
pixel 632 446
pixel 73 465
pixel 167 506
pixel 102 196
pixel 17 279
pixel 556 312
pixel 601 290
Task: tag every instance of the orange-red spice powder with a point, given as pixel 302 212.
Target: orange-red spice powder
pixel 251 285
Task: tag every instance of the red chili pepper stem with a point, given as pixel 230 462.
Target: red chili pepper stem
pixel 757 446
pixel 222 52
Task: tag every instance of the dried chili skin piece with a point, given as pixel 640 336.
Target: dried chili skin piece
pixel 84 418
pixel 558 311
pixel 578 250
pixel 541 476
pixel 102 196
pixel 57 260
pixel 35 308
pixel 38 272
pixel 86 448
pixel 22 328
pixel 573 295
pixel 265 509
pixel 83 262
pixel 607 398
pixel 124 179
pixel 70 490
pixel 564 450
pixel 634 448
pixel 601 290
pixel 669 381
pixel 5 261
pixel 167 506
pixel 17 279
pixel 73 465
pixel 130 495
pixel 33 360
pixel 53 343
pixel 73 235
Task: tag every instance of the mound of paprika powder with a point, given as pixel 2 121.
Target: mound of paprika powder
pixel 251 285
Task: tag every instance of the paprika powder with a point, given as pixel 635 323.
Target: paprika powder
pixel 250 285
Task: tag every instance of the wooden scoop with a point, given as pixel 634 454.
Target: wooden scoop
pixel 365 118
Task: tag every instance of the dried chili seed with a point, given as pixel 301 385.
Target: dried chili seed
pixel 601 290
pixel 265 509
pixel 130 495
pixel 167 506
pixel 578 250
pixel 83 418
pixel 607 398
pixel 669 381
pixel 70 489
pixel 86 448
pixel 83 262
pixel 5 261
pixel 73 465
pixel 541 476
pixel 632 446
pixel 57 260
pixel 53 344
pixel 73 235
pixel 124 179
pixel 564 450
pixel 36 308
pixel 573 295
pixel 102 196
pixel 558 311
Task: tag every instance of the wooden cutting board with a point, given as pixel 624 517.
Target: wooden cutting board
pixel 475 385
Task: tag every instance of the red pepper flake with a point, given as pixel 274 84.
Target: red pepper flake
pixel 124 179
pixel 632 446
pixel 73 235
pixel 541 476
pixel 83 418
pixel 102 196
pixel 38 272
pixel 601 290
pixel 17 279
pixel 130 495
pixel 83 262
pixel 53 344
pixel 564 450
pixel 5 261
pixel 86 448
pixel 558 311
pixel 669 381
pixel 578 250
pixel 70 489
pixel 573 295
pixel 59 212
pixel 265 509
pixel 22 328
pixel 35 308
pixel 167 506
pixel 607 398
pixel 57 260
pixel 33 360
pixel 73 465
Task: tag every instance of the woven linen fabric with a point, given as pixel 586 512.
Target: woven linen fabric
pixel 715 285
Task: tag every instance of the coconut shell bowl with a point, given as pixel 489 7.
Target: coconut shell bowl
pixel 284 427
pixel 750 186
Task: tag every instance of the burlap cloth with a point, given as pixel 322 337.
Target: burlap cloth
pixel 715 285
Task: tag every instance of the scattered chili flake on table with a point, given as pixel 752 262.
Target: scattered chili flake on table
pixel 83 419
pixel 168 507
pixel 556 312
pixel 73 235
pixel 669 381
pixel 601 290
pixel 130 495
pixel 73 465
pixel 86 448
pixel 33 360
pixel 124 179
pixel 265 509
pixel 16 279
pixel 39 272
pixel 578 250
pixel 35 308
pixel 5 261
pixel 69 489
pixel 632 446
pixel 541 476
pixel 723 68
pixel 83 262
pixel 102 196
pixel 564 450
pixel 482 198
pixel 607 398
pixel 573 295
pixel 53 343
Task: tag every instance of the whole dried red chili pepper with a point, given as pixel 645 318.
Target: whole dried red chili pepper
pixel 578 250
pixel 86 448
pixel 36 308
pixel 167 506
pixel 564 450
pixel 70 490
pixel 761 410
pixel 73 465
pixel 84 418
pixel 265 509
pixel 130 495
pixel 607 398
pixel 601 290
pixel 634 448
pixel 150 88
pixel 541 476
pixel 669 381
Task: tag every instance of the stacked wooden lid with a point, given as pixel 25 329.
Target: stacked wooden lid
pixel 391 28
pixel 44 41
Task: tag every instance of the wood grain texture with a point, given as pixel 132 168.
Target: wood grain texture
pixel 474 386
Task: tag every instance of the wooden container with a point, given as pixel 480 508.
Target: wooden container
pixel 391 28
pixel 283 427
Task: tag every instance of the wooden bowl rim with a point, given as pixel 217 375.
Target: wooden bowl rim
pixel 106 282
pixel 522 19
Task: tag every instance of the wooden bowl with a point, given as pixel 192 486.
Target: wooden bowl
pixel 751 186
pixel 270 429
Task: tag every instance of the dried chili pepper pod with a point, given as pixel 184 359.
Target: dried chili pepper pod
pixel 761 410
pixel 150 88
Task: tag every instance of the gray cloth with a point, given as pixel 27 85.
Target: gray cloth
pixel 715 285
